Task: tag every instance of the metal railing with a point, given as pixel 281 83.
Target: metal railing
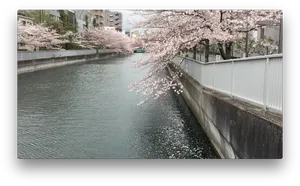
pixel 44 54
pixel 257 80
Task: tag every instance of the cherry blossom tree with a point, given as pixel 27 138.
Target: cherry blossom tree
pixel 168 32
pixel 238 23
pixel 106 39
pixel 38 36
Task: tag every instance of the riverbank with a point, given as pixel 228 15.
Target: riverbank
pixel 41 60
pixel 237 129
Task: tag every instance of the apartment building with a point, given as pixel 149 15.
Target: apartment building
pixel 113 19
pixel 95 18
pixel 84 19
pixel 109 28
pixel 78 16
pixel 53 13
pixel 25 20
pixel 98 18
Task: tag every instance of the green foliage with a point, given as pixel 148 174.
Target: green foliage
pixel 67 26
pixel 263 46
pixel 38 16
pixel 266 46
pixel 72 46
pixel 240 45
pixel 66 22
pixel 214 49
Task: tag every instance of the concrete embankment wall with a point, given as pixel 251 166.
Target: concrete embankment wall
pixel 40 60
pixel 237 130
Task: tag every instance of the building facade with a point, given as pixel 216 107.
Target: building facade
pixel 109 28
pixel 113 19
pixel 95 18
pixel 273 32
pixel 98 18
pixel 84 19
pixel 54 14
pixel 25 20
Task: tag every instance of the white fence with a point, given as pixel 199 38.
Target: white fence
pixel 255 79
pixel 26 55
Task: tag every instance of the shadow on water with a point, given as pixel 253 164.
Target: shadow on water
pixel 110 61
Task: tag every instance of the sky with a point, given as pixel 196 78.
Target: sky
pixel 128 19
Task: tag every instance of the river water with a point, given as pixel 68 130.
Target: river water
pixel 86 111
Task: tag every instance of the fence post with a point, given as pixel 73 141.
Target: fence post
pixel 232 75
pixel 265 90
pixel 201 65
pixel 186 66
pixel 214 73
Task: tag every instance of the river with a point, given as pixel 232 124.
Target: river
pixel 86 111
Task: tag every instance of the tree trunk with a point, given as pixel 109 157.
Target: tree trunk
pixel 194 52
pixel 227 54
pixel 246 45
pixel 200 54
pixel 205 43
pixel 206 50
pixel 228 49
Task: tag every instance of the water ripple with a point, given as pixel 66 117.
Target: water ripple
pixel 86 111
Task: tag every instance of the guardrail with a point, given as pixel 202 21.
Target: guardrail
pixel 32 55
pixel 257 80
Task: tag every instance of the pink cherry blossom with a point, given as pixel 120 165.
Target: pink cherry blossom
pixel 106 39
pixel 168 32
pixel 33 36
